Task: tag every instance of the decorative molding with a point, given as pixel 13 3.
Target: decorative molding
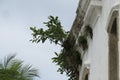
pixel 116 7
pixel 94 11
pixel 114 15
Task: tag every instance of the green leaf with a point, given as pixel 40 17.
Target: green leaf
pixel 54 33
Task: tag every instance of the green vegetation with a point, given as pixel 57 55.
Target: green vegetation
pixel 82 40
pixel 13 69
pixel 69 59
pixel 54 33
pixel 88 31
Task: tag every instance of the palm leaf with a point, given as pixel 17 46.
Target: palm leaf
pixel 8 59
pixel 13 69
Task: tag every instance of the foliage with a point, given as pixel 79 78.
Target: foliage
pixel 69 43
pixel 68 59
pixel 54 33
pixel 83 42
pixel 13 69
pixel 69 63
pixel 88 31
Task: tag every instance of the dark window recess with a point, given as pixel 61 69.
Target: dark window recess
pixel 114 27
pixel 86 77
pixel 113 52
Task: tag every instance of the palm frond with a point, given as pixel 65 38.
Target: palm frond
pixel 16 65
pixel 28 71
pixel 1 65
pixel 13 69
pixel 8 59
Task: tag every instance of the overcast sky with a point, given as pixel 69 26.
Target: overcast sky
pixel 16 16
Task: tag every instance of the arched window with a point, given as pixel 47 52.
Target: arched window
pixel 113 47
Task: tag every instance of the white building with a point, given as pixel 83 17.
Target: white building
pixel 101 61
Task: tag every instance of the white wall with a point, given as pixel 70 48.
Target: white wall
pixel 98 48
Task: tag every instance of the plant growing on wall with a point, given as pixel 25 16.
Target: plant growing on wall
pixel 68 59
pixel 88 31
pixel 82 40
pixel 69 63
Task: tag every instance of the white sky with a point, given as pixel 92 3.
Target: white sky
pixel 16 16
